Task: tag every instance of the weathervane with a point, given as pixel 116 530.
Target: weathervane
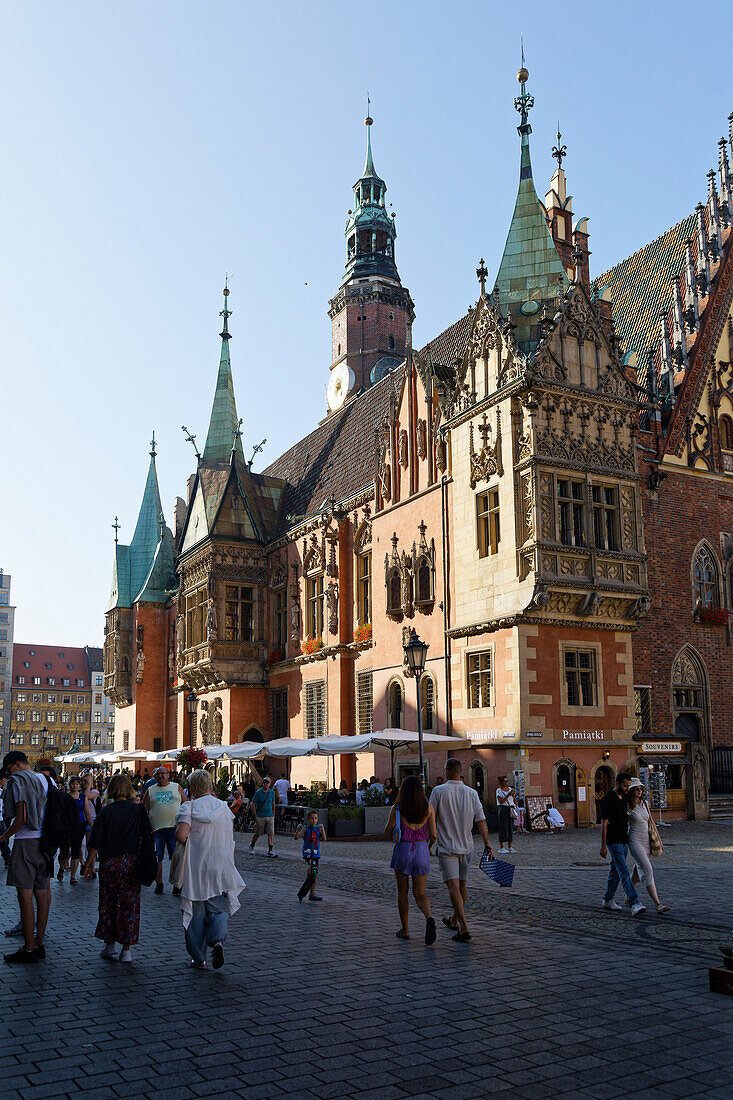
pixel 256 451
pixel 559 151
pixel 190 438
pixel 524 102
pixel 152 446
pixel 116 527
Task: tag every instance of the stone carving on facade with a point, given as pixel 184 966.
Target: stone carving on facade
pixel 332 605
pixel 590 604
pixel 211 622
pixel 140 666
pixel 486 462
pixel 699 777
pixel 685 671
pixel 423 569
pixel 540 598
pixel 641 607
pixel 180 638
pixel 279 575
pixel 422 438
pixel 526 509
pixel 402 447
pixel 295 604
pixel 440 455
pixel 699 441
pixel 211 723
pixel 398 575
pixel 547 507
pixel 172 655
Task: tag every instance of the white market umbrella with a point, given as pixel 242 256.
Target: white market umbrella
pixel 289 746
pixel 135 754
pixel 332 746
pixel 246 750
pixel 394 739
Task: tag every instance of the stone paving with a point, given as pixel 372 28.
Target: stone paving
pixel 552 998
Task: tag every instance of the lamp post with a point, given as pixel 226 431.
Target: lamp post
pixel 416 652
pixel 191 702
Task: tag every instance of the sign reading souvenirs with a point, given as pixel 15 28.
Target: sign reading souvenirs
pixel 650 748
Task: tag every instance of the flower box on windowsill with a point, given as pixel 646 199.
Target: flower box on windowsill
pixel 363 633
pixel 276 657
pixel 713 616
pixel 311 646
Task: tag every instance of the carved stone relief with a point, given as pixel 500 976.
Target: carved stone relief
pixel 402 447
pixel 422 438
pixel 486 462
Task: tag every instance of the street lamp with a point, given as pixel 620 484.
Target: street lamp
pixel 191 702
pixel 416 652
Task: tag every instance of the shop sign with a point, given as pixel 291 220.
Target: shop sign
pixel 647 748
pixel 584 735
pixel 482 735
pixel 533 733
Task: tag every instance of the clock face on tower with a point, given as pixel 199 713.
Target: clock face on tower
pixel 341 381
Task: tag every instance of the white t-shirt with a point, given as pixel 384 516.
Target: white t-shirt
pixel 24 833
pixel 555 817
pixel 500 793
pixel 282 786
pixel 457 807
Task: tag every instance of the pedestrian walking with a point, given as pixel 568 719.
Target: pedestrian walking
pixel 24 803
pixel 210 884
pixel 121 830
pixel 615 843
pixel 641 827
pixel 412 824
pixel 457 808
pixel 263 808
pixel 507 809
pixel 312 834
pixel 70 852
pixel 163 801
pixel 282 786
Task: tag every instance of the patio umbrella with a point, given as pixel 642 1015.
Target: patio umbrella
pixel 246 750
pixel 289 746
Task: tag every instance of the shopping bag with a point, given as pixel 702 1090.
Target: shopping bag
pixel 499 870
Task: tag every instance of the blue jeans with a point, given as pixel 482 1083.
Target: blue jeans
pixel 164 838
pixel 619 873
pixel 208 926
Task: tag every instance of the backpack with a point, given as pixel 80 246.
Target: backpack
pixel 60 820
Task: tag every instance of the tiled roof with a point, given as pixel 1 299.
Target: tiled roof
pixel 67 662
pixel 640 287
pixel 94 658
pixel 337 459
pixel 450 344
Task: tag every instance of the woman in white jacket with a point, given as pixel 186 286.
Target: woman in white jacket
pixel 210 884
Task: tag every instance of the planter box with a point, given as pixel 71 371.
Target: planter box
pixel 346 827
pixel 322 812
pixel 375 819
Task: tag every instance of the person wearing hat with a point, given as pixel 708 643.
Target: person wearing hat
pixel 615 843
pixel 639 842
pixel 24 803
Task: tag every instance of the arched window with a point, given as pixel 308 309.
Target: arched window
pixel 314 617
pixel 395 706
pixel 726 433
pixel 394 592
pixel 364 575
pixel 427 700
pixel 424 585
pixel 705 578
pixel 565 786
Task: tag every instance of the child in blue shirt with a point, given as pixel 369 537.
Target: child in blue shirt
pixel 312 834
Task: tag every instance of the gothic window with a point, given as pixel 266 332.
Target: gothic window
pixel 488 522
pixel 394 592
pixel 316 721
pixel 280 625
pixel 605 517
pixel 580 677
pixel 364 586
pixel 726 433
pixel 427 701
pixel 424 586
pixel 314 609
pixel 570 512
pixel 195 619
pixel 395 706
pixel 239 613
pixel 364 703
pixel 279 712
pixel 643 711
pixel 705 578
pixel 478 671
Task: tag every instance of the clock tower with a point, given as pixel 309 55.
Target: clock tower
pixel 372 311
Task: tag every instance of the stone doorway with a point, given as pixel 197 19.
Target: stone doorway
pixel 603 784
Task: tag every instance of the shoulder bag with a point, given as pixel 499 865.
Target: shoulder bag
pixel 655 841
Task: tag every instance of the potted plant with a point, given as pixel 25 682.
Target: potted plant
pixel 376 811
pixel 312 645
pixel 713 616
pixel 363 633
pixel 275 657
pixel 189 760
pixel 345 821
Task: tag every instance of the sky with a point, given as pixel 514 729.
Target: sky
pixel 147 148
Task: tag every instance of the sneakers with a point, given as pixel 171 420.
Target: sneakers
pixel 41 952
pixel 217 956
pixel 159 887
pixel 662 908
pixel 637 909
pixel 21 956
pixel 197 965
pixel 109 951
pixel 315 897
pixel 511 849
pixel 271 854
pixel 126 955
pixel 614 905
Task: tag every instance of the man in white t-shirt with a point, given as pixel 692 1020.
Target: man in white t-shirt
pixel 282 786
pixel 24 804
pixel 457 808
pixel 555 820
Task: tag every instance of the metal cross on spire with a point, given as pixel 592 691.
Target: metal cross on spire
pixel 524 102
pixel 152 446
pixel 559 151
pixel 259 447
pixel 482 275
pixel 116 527
pixel 190 438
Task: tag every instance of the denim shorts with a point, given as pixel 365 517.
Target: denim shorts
pixel 164 838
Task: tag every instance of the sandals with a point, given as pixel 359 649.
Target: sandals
pixel 462 937
pixel 662 908
pixel 448 922
pixel 73 881
pixel 60 875
pixel 402 935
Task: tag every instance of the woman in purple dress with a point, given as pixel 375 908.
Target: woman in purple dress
pixel 412 825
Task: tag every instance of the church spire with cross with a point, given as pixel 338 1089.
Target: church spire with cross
pixel 224 421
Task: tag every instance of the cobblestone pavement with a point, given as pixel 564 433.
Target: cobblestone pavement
pixel 553 998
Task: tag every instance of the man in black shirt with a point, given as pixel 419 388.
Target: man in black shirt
pixel 615 842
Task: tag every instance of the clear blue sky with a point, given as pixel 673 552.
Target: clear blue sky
pixel 148 147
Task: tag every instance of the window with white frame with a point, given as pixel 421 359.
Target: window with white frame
pixel 316 718
pixel 479 674
pixel 364 702
pixel 580 677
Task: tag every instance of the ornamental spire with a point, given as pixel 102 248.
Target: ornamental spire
pixel 369 163
pixel 224 422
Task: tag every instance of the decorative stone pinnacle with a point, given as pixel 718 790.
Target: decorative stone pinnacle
pixel 482 275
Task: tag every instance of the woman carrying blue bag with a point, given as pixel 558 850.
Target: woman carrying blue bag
pixel 411 825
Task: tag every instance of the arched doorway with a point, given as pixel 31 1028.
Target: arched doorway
pixel 603 784
pixel 478 779
pixel 689 696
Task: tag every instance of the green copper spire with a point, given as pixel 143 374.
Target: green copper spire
pixel 224 423
pixel 369 171
pixel 531 270
pixel 370 229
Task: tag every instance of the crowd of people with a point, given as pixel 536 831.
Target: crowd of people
pixel 121 829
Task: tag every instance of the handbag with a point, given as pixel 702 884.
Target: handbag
pixel 178 864
pixel 499 870
pixel 655 841
pixel 147 861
